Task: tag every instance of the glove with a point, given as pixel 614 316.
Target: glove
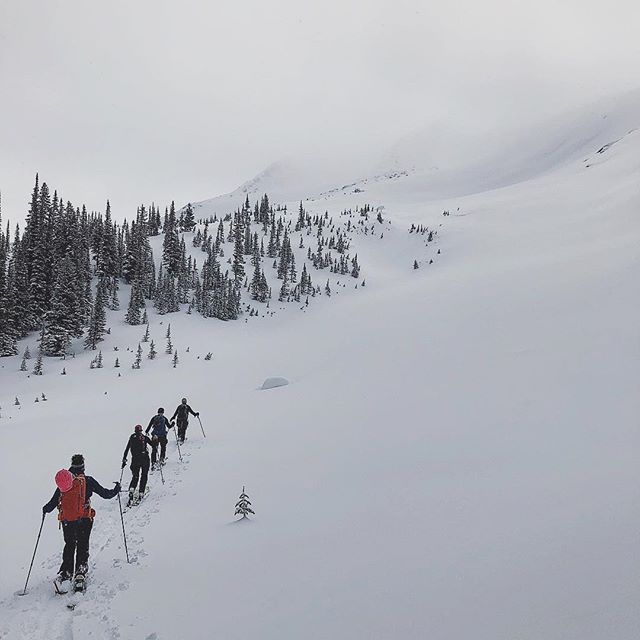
pixel 44 510
pixel 197 414
pixel 124 463
pixel 171 425
pixel 117 487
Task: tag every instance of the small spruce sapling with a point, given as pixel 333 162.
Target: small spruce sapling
pixel 169 348
pixel 23 364
pixel 138 360
pixel 152 351
pixel 243 506
pixel 37 369
pixel 175 359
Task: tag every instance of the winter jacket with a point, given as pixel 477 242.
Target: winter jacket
pixel 160 425
pixel 182 413
pixel 93 486
pixel 138 446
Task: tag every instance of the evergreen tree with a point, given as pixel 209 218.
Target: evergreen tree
pixel 243 506
pixel 169 348
pixel 138 360
pixel 37 368
pixel 60 321
pixel 145 337
pixel 175 359
pixel 136 303
pixel 238 250
pixel 97 323
pixel 23 364
pixel 188 221
pixel 152 351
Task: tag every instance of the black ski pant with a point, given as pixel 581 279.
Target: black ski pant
pixel 182 429
pixel 155 441
pixel 138 464
pixel 76 545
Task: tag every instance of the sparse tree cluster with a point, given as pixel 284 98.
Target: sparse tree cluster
pixel 63 272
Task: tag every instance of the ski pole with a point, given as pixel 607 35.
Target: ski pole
pixel 24 592
pixel 200 421
pixel 124 535
pixel 161 474
pixel 178 443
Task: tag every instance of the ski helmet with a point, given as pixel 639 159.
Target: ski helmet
pixel 184 401
pixel 138 428
pixel 64 480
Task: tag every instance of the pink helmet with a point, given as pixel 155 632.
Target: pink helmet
pixel 64 480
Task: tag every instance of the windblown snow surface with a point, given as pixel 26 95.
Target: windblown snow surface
pixel 455 457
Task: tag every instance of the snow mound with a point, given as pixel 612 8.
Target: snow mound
pixel 272 383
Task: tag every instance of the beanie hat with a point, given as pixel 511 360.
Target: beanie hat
pixel 77 464
pixel 160 410
pixel 64 480
pixel 138 428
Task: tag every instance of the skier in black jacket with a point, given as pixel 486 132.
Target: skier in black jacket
pixel 159 426
pixel 182 413
pixel 137 444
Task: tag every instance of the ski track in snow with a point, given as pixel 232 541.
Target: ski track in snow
pixel 42 613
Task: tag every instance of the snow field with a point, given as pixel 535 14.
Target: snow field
pixel 455 456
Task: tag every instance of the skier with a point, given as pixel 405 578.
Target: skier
pixel 182 413
pixel 139 461
pixel 72 497
pixel 159 426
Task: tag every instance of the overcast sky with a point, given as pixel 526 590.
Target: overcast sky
pixel 141 100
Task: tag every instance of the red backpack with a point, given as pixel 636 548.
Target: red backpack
pixel 73 504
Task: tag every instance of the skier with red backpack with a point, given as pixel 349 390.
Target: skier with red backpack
pixel 73 499
pixel 137 444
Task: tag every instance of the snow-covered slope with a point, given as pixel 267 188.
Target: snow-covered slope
pixel 446 159
pixel 454 457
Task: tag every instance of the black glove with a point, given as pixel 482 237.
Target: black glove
pixel 117 487
pixel 197 414
pixel 124 463
pixel 171 425
pixel 44 510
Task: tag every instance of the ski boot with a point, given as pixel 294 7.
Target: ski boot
pixel 131 496
pixel 80 579
pixel 62 583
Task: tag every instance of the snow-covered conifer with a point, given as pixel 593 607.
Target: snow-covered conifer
pixel 37 368
pixel 138 359
pixel 243 506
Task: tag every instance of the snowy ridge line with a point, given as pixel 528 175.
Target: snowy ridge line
pixel 42 614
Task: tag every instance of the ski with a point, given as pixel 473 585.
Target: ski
pixel 60 588
pixel 79 583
